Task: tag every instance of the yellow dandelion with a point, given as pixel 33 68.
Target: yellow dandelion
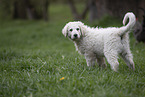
pixel 62 78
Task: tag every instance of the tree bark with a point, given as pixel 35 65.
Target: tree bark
pixel 73 10
pixel 19 10
pixel 92 10
pixel 26 9
pixel 45 9
pixel 76 15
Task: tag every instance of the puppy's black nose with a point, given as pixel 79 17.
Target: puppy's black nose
pixel 75 35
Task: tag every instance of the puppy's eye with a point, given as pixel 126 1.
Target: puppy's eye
pixel 71 30
pixel 77 29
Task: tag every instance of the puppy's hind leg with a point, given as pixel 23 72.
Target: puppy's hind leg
pixel 112 59
pixel 128 58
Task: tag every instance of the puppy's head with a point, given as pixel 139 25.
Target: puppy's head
pixel 73 30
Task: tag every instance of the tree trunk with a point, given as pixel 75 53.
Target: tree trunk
pixel 45 9
pixel 76 15
pixel 74 10
pixel 85 10
pixel 19 10
pixel 92 10
pixel 26 9
pixel 120 7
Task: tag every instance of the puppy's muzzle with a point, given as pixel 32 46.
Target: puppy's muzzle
pixel 75 35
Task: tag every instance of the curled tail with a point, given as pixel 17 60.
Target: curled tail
pixel 132 20
pixel 131 23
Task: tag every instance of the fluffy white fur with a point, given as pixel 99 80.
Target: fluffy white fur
pixel 98 43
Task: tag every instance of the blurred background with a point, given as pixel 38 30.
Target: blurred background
pixel 79 9
pixel 37 24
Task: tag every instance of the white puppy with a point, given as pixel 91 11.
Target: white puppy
pixel 98 43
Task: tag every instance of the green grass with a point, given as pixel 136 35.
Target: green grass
pixel 34 56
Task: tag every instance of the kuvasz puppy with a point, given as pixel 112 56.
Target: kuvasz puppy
pixel 98 43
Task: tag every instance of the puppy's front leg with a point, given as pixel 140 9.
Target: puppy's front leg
pixel 90 59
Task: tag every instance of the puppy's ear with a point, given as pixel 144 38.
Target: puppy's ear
pixel 82 27
pixel 64 30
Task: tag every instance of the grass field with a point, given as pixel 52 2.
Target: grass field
pixel 36 60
